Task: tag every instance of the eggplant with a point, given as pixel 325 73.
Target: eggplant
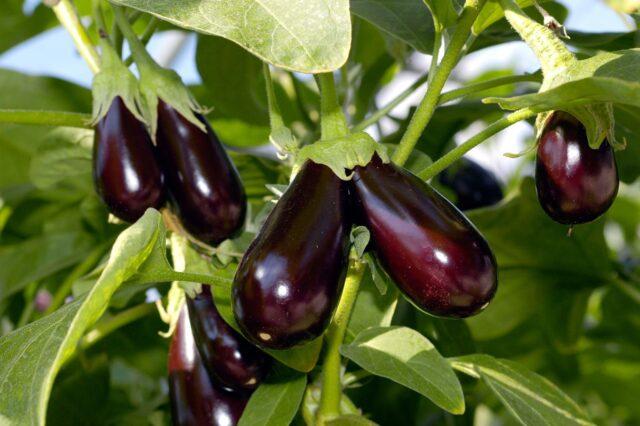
pixel 473 185
pixel 203 182
pixel 195 399
pixel 230 359
pixel 290 279
pixel 575 184
pixel 434 254
pixel 126 172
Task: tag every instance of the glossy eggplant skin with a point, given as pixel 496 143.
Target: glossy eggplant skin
pixel 434 254
pixel 473 185
pixel 575 184
pixel 290 279
pixel 230 359
pixel 202 180
pixel 126 172
pixel 195 399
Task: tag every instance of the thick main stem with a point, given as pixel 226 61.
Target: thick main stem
pixel 331 370
pixel 45 118
pixel 456 153
pixel 427 107
pixel 333 123
pixel 68 17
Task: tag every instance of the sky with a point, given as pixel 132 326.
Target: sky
pixel 52 53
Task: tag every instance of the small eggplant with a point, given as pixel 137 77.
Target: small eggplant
pixel 231 360
pixel 473 185
pixel 202 180
pixel 290 279
pixel 434 254
pixel 195 399
pixel 575 184
pixel 126 172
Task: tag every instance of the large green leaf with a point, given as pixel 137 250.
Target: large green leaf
pixel 406 357
pixel 35 353
pixel 15 26
pixel 535 254
pixel 532 399
pixel 276 401
pixel 233 80
pixel 311 36
pixel 407 20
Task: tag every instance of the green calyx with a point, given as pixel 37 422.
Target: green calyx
pixel 342 153
pixel 560 66
pixel 114 80
pixel 158 83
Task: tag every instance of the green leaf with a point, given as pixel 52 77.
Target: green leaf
pixel 444 11
pixel 360 237
pixel 407 20
pixel 300 358
pixel 39 257
pixel 311 36
pixel 534 254
pixel 532 399
pixel 276 401
pixel 408 358
pixel 15 26
pixel 236 89
pixel 38 350
pixel 64 165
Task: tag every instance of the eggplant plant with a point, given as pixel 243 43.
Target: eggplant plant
pixel 299 231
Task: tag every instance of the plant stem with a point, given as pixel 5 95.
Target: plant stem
pixel 547 46
pixel 149 31
pixel 109 325
pixel 333 123
pixel 455 154
pixel 275 117
pixel 138 50
pixel 445 97
pixel 80 270
pixel 68 17
pixel 428 105
pixel 45 118
pixel 628 289
pixel 485 85
pixel 437 44
pixel 382 112
pixel 331 369
pixel 300 103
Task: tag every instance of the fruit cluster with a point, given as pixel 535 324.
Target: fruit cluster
pixel 132 174
pixel 212 369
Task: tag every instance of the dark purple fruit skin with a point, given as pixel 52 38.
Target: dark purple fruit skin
pixel 126 172
pixel 290 279
pixel 231 360
pixel 473 185
pixel 202 180
pixel 431 250
pixel 195 400
pixel 575 184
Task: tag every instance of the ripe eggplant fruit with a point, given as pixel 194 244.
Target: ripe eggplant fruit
pixel 126 172
pixel 202 181
pixel 195 399
pixel 473 185
pixel 575 184
pixel 290 279
pixel 431 250
pixel 230 359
